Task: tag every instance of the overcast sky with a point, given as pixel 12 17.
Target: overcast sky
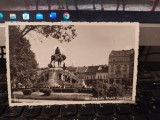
pixel 92 45
pixel 2 36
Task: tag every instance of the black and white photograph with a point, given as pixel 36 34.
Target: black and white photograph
pixel 114 5
pixel 71 63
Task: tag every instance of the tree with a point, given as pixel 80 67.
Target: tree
pixel 60 32
pixel 23 64
pixel 99 90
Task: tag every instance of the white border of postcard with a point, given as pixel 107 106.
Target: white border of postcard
pixel 60 102
pixel 2 25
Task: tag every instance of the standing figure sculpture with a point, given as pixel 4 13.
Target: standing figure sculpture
pixel 57 57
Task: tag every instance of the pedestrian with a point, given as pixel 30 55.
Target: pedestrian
pixel 155 4
pixel 123 2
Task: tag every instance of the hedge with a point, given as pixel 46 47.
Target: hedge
pixel 27 92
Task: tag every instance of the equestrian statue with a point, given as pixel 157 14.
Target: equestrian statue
pixel 57 57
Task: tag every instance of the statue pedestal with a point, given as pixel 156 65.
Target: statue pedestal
pixel 55 77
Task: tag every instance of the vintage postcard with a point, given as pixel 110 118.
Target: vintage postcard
pixel 71 63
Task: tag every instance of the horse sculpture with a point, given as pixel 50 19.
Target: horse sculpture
pixel 57 58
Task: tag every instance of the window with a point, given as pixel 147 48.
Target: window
pixel 118 69
pixel 117 81
pixel 110 60
pixel 112 68
pixel 125 68
pixel 124 75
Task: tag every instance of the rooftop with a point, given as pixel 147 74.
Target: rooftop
pixel 121 52
pixel 102 69
pixel 81 69
pixel 92 69
pixel 71 68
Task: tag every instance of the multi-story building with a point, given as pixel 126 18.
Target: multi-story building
pixel 90 72
pixel 80 72
pixel 90 75
pixel 102 72
pixel 71 69
pixel 121 64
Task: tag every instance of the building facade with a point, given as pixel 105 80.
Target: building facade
pixel 80 72
pixel 71 69
pixel 90 72
pixel 102 72
pixel 121 64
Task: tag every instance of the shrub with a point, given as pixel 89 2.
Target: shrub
pixel 27 92
pixel 46 91
pixel 64 90
pixel 34 89
pixel 41 90
pixel 86 90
